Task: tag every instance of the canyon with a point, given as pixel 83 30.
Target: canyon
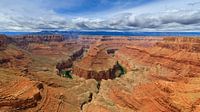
pixel 160 74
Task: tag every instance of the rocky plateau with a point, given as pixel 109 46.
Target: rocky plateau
pixel 51 73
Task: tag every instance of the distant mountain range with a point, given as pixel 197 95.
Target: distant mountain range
pixel 106 33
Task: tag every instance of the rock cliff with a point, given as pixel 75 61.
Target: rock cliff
pixel 38 38
pixel 158 79
pixel 68 63
pixel 3 42
pixel 162 75
pixel 97 64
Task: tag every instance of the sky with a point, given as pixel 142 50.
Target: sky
pixel 99 15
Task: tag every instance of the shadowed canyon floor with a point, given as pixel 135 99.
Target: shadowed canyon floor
pixel 162 74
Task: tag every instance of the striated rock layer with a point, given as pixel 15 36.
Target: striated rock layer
pixel 20 95
pixel 162 75
pixel 3 42
pixel 38 38
pixel 158 79
pixel 52 94
pixel 68 63
pixel 187 44
pixel 28 82
pixel 97 64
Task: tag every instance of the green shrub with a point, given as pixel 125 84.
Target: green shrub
pixel 66 74
pixel 121 69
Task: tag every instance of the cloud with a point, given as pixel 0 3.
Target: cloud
pixel 169 20
pixel 194 3
pixel 27 23
pixel 37 15
pixel 29 16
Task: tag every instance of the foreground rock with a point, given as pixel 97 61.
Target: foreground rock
pixel 52 94
pixel 19 95
pixel 28 81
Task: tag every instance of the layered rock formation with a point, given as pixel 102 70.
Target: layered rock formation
pixel 77 54
pixel 86 41
pixel 68 63
pixel 187 44
pixel 28 81
pixel 51 94
pixel 14 58
pixel 158 80
pixel 3 42
pixel 24 40
pixel 38 38
pixel 20 95
pixel 94 65
pixel 97 64
pixel 162 76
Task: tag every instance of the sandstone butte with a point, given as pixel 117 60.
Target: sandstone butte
pixel 96 64
pixel 162 74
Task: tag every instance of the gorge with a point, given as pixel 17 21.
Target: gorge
pixel 92 73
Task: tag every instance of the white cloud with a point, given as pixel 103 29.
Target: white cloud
pixel 163 15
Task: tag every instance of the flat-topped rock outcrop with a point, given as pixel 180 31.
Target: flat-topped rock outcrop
pixel 38 38
pixel 97 64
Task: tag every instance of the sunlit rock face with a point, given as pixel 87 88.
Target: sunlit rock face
pixel 28 82
pixel 39 38
pixel 100 63
pixel 158 79
pixel 97 64
pixel 162 75
pixel 186 44
pixel 68 63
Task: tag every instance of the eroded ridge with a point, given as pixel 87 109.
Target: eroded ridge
pixel 168 80
pixel 97 64
pixel 28 81
pixel 161 74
